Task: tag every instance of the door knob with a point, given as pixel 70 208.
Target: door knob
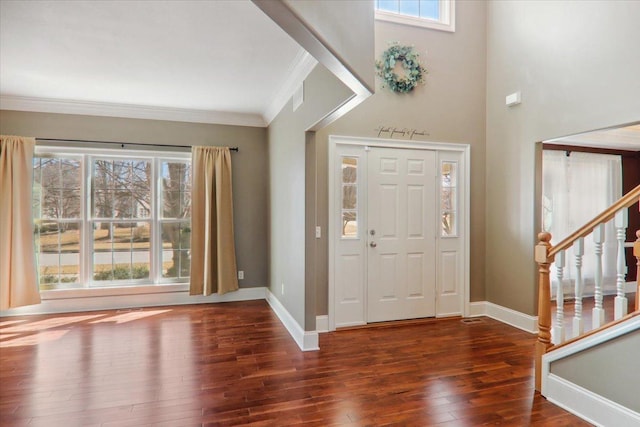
pixel 373 244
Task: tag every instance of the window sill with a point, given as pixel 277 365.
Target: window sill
pixel 113 291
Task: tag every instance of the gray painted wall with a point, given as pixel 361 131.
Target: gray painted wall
pixel 450 107
pixel 250 177
pixel 287 173
pixel 577 66
pixel 609 369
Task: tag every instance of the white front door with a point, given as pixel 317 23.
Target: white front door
pixel 401 222
pixel 398 231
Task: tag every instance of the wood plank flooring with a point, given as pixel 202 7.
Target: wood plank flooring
pixel 235 364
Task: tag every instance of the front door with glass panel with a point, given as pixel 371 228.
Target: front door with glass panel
pixel 385 251
pixel 398 232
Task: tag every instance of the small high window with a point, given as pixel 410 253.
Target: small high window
pixel 436 14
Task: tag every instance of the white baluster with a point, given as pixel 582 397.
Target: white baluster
pixel 578 324
pixel 598 311
pixel 621 304
pixel 558 327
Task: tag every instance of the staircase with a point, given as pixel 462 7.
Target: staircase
pixel 590 370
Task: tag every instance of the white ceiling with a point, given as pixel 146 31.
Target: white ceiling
pixel 194 56
pixel 622 138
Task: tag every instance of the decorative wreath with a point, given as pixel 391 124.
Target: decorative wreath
pixel 414 72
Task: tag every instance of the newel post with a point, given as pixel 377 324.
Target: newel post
pixel 544 302
pixel 636 253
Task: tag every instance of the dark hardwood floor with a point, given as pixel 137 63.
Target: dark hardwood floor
pixel 234 363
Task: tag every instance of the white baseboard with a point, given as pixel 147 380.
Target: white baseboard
pixel 322 324
pixel 505 315
pixel 306 340
pixel 587 405
pixel 477 308
pixel 131 300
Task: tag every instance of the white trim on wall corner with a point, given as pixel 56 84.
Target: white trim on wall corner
pixel 299 71
pixel 588 405
pixel 132 300
pixel 322 323
pixel 306 340
pixel 477 308
pixel 62 106
pixel 506 315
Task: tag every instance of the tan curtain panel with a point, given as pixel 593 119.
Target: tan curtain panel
pixel 213 251
pixel 18 282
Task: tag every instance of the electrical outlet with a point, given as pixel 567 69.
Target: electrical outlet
pixel 318 232
pixel 282 290
pixel 240 275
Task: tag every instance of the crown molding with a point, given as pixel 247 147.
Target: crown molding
pixel 301 67
pixel 60 106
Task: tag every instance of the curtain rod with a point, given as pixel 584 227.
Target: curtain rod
pixel 122 144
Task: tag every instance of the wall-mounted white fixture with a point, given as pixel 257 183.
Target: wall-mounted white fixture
pixel 513 99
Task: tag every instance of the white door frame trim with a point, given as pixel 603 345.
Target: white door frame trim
pixel 335 140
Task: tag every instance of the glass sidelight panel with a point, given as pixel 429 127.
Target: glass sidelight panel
pixel 448 198
pixel 349 206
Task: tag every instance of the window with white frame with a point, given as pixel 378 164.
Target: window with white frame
pixel 448 198
pixel 104 218
pixel 436 14
pixel 349 197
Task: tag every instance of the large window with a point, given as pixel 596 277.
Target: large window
pixel 103 218
pixel 436 14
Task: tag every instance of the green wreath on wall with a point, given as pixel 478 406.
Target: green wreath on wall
pixel 414 71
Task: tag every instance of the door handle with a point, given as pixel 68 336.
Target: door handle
pixel 373 244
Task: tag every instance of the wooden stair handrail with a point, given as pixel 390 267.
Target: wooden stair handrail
pixel 544 254
pixel 624 202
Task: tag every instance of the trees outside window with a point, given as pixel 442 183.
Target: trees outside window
pixel 176 216
pixel 57 211
pixel 103 218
